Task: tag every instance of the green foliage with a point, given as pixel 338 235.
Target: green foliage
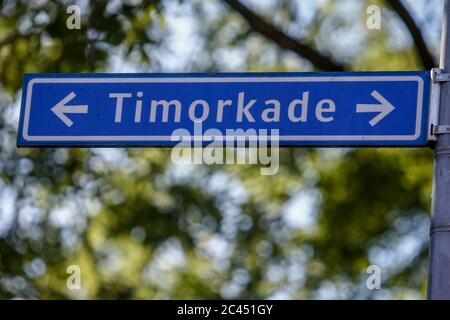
pixel 34 36
pixel 140 227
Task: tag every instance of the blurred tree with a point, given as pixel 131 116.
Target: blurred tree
pixel 140 227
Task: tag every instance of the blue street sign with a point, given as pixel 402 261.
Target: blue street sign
pixel 298 109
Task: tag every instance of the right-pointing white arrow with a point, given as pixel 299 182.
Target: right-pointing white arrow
pixel 383 109
pixel 60 109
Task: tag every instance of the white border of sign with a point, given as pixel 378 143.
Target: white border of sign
pixel 413 137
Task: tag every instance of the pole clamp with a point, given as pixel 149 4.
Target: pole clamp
pixel 439 227
pixel 439 130
pixel 438 76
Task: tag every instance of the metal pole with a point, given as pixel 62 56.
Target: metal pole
pixel 439 264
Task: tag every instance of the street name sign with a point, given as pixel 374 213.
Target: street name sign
pixel 297 109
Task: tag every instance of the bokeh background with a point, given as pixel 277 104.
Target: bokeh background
pixel 139 226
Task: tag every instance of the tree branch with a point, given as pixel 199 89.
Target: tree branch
pixel 426 57
pixel 259 25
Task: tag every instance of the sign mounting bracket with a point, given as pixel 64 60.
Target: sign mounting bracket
pixel 438 77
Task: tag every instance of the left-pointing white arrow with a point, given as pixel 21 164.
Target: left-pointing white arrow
pixel 383 109
pixel 61 109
